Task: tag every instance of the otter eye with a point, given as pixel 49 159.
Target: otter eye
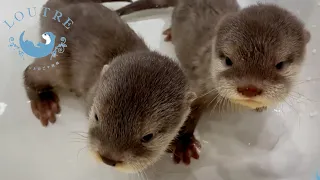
pixel 95 116
pixel 147 138
pixel 279 66
pixel 228 61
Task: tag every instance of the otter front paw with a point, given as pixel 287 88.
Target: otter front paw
pixel 185 147
pixel 261 109
pixel 167 33
pixel 46 107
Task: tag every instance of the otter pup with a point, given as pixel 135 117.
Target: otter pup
pixel 249 57
pixel 137 99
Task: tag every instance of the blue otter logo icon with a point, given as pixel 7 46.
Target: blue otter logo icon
pixel 49 46
pixel 41 49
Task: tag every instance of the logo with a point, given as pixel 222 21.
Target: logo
pixel 37 49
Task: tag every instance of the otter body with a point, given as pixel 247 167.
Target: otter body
pixel 137 99
pixel 249 57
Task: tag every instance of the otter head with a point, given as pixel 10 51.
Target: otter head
pixel 141 102
pixel 258 53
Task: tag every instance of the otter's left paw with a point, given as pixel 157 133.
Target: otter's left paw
pixel 185 148
pixel 168 35
pixel 261 109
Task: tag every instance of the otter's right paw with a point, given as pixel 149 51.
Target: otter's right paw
pixel 167 33
pixel 46 107
pixel 185 148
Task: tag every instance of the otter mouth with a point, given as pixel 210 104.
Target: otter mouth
pixel 119 166
pixel 251 103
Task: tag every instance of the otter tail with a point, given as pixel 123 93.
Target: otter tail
pixel 88 1
pixel 62 3
pixel 26 43
pixel 144 5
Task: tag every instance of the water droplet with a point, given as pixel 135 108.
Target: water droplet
pixel 2 107
pixel 308 78
pixel 314 51
pixel 277 110
pixel 206 142
pixel 313 114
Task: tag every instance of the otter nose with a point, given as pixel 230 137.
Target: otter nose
pixel 109 161
pixel 249 91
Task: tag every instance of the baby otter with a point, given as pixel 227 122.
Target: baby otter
pixel 137 99
pixel 250 57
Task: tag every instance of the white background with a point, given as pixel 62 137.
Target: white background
pixel 280 144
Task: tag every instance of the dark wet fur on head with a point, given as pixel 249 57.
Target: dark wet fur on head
pixel 140 96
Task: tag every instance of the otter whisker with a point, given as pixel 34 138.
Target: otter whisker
pixel 213 89
pixel 141 172
pixel 291 106
pixel 284 100
pixel 86 147
pixel 300 95
pixel 145 175
pixel 221 104
pixel 79 141
pixel 77 138
pixel 213 99
pixel 79 134
pixel 217 104
pixel 307 81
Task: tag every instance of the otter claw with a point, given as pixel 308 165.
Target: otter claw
pixel 168 35
pixel 185 148
pixel 46 107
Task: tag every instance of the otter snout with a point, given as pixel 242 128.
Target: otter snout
pixel 249 91
pixel 107 160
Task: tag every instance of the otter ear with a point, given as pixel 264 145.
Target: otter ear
pixel 307 36
pixel 191 96
pixel 104 69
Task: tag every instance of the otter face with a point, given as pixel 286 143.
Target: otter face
pixel 140 104
pixel 258 53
